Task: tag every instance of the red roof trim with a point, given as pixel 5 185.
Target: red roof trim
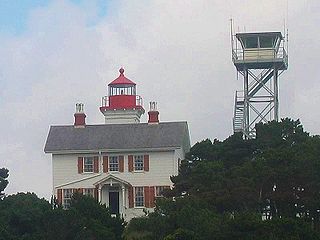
pixel 121 80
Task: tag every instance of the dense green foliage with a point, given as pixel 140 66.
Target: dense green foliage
pixel 24 216
pixel 265 188
pixel 4 173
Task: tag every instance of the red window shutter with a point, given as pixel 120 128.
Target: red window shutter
pixel 75 190
pixel 151 195
pixel 130 163
pixel 130 195
pixel 146 197
pixel 146 163
pixel 80 164
pixel 59 196
pixel 95 164
pixel 96 194
pixel 121 164
pixel 105 164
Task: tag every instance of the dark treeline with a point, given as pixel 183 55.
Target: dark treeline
pixel 266 188
pixel 24 216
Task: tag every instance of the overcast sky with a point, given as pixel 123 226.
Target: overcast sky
pixel 56 53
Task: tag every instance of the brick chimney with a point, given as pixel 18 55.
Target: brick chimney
pixel 79 116
pixel 153 114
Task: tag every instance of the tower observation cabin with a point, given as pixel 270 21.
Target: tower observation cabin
pixel 260 58
pixel 122 104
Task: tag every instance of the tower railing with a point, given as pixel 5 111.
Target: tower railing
pixel 106 103
pixel 262 54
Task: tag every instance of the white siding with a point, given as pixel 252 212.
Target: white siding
pixel 162 165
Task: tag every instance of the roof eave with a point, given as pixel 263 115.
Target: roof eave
pixel 102 151
pixel 240 35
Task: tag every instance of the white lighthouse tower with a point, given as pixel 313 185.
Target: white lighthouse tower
pixel 122 104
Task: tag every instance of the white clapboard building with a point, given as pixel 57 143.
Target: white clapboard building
pixel 122 163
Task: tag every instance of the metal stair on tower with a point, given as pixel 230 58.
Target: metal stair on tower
pixel 238 112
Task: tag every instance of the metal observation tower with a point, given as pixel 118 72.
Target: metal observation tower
pixel 259 58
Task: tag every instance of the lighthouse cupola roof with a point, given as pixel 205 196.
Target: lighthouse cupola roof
pixel 121 80
pixel 122 104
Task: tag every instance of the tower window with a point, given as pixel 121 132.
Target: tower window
pixel 251 42
pixel 266 41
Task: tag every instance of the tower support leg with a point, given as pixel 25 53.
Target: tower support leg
pixel 276 94
pixel 246 104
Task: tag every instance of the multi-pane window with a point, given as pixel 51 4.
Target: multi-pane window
pixel 139 197
pixel 159 190
pixel 67 194
pixel 88 164
pixel 88 192
pixel 138 163
pixel 113 163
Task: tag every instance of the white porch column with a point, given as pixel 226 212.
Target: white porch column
pixel 99 193
pixel 123 198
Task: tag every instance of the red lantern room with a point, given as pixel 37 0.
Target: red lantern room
pixel 122 105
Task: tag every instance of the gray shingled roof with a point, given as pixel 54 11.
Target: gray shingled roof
pixel 118 136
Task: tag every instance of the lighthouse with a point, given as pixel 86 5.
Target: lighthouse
pixel 122 104
pixel 125 164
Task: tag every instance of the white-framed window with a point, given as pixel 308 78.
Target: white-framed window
pixel 88 192
pixel 138 197
pixel 88 164
pixel 67 194
pixel 138 163
pixel 159 190
pixel 113 163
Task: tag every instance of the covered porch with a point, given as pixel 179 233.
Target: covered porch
pixel 114 192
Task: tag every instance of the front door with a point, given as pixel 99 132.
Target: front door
pixel 114 202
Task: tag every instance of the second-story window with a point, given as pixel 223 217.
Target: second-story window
pixel 113 163
pixel 138 163
pixel 88 164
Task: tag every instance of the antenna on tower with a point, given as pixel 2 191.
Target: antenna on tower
pixel 286 26
pixel 231 31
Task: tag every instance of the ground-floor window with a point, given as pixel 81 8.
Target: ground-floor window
pixel 88 192
pixel 159 190
pixel 139 197
pixel 67 194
